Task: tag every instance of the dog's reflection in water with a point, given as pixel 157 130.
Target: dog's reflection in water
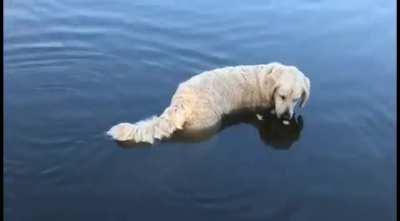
pixel 271 131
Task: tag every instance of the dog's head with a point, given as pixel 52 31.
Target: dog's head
pixel 287 86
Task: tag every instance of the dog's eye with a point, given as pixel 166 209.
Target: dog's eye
pixel 283 97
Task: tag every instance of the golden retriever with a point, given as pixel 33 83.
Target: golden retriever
pixel 201 102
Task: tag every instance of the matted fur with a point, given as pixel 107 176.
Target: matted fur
pixel 201 101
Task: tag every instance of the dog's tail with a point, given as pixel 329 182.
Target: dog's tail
pixel 148 130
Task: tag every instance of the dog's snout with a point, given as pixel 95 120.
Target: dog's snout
pixel 286 115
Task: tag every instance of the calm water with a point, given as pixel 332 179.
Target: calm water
pixel 74 68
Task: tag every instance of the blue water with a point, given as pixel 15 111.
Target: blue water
pixel 75 68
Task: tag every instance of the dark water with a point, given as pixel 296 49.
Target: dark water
pixel 74 68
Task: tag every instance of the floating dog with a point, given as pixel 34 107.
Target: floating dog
pixel 201 102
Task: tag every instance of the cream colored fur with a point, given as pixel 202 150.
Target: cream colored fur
pixel 200 102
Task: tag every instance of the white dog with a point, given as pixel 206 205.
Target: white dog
pixel 201 102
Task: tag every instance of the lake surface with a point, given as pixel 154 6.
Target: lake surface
pixel 75 68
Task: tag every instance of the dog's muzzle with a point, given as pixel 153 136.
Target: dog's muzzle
pixel 286 116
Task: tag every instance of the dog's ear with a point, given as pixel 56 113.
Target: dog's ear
pixel 306 91
pixel 271 81
pixel 271 85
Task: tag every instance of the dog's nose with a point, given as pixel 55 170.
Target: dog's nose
pixel 286 116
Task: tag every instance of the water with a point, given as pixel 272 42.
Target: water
pixel 75 68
